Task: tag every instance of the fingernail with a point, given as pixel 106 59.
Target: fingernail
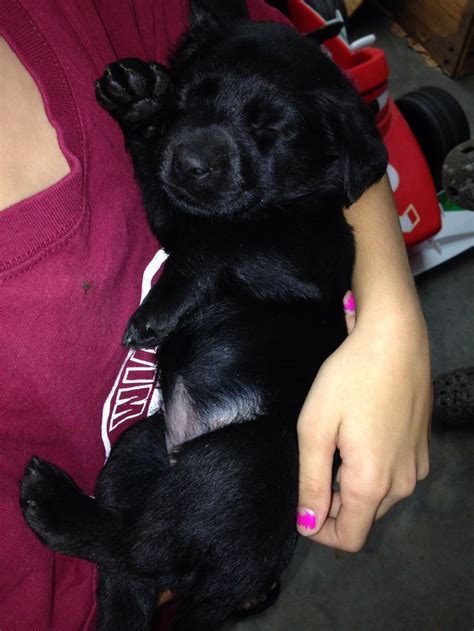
pixel 306 521
pixel 349 303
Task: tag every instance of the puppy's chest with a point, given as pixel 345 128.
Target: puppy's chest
pixel 309 247
pixel 299 259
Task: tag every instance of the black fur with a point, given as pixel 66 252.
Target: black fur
pixel 246 151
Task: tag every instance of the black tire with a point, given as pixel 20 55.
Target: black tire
pixel 438 123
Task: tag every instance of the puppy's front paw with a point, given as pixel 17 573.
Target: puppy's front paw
pixel 145 331
pixel 133 91
pixel 51 504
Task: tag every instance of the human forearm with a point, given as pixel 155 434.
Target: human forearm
pixel 382 280
pixel 371 398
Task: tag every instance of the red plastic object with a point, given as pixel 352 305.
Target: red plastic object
pixel 412 184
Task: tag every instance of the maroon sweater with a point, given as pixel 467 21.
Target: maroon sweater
pixel 75 260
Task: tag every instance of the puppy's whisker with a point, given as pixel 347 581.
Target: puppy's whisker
pixel 278 206
pixel 308 193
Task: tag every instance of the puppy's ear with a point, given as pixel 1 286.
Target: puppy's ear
pixel 207 21
pixel 217 10
pixel 358 157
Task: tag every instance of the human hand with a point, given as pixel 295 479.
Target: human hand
pixel 371 399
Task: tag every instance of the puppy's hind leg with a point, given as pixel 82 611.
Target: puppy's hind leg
pixel 124 603
pixel 61 515
pixel 135 465
pixel 200 616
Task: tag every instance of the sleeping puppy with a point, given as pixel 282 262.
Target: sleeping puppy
pixel 246 150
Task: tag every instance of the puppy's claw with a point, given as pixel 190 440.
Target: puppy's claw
pixel 137 82
pixel 140 335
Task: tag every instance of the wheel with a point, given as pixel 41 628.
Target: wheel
pixel 458 175
pixel 438 123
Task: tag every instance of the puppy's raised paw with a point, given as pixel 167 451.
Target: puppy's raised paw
pixel 133 92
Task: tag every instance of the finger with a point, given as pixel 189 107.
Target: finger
pixel 423 466
pixel 349 529
pixel 400 489
pixel 335 505
pixel 316 458
pixel 384 507
pixel 349 310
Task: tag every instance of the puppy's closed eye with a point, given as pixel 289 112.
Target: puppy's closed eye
pixel 208 88
pixel 261 118
pixel 203 90
pixel 266 129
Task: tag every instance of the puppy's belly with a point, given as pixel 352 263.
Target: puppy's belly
pixel 186 419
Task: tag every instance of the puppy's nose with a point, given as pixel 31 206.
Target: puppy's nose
pixel 191 162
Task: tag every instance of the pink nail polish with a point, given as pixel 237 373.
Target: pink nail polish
pixel 306 519
pixel 349 302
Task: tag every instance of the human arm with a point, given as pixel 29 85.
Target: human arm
pixel 371 398
pixel 30 157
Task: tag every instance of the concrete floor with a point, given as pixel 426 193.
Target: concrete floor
pixel 416 572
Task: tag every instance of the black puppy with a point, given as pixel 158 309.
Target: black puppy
pixel 246 151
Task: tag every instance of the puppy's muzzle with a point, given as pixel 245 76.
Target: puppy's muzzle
pixel 193 162
pixel 202 159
